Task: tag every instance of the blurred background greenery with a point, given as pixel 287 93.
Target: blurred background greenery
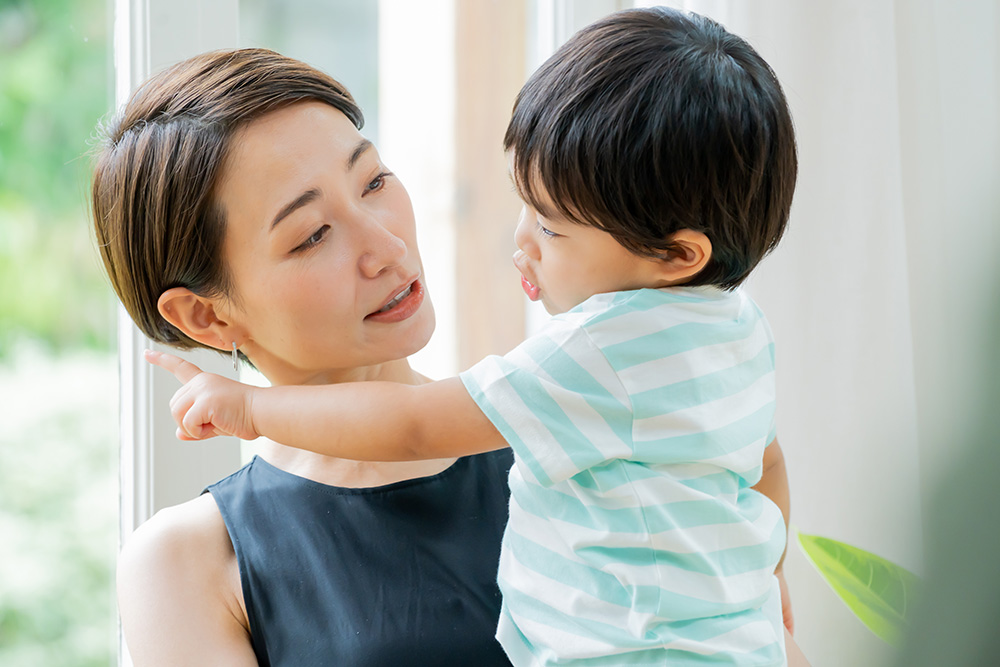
pixel 58 395
pixel 54 86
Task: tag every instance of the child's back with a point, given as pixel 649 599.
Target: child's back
pixel 639 420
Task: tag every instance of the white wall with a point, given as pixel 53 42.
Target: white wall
pixel 837 295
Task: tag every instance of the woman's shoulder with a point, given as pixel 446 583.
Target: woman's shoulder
pixel 177 572
pixel 193 528
pixel 188 541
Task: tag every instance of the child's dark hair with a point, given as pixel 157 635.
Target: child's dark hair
pixel 650 121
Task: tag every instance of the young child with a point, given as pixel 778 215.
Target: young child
pixel 656 158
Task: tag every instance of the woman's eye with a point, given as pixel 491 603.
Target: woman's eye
pixel 314 239
pixel 377 183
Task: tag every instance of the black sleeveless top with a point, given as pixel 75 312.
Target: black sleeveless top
pixel 403 574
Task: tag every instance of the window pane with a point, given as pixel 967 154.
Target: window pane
pixel 339 37
pixel 58 393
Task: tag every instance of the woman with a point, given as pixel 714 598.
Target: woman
pixel 237 207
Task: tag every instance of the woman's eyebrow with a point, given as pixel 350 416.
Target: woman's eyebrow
pixel 306 197
pixel 358 151
pixel 312 194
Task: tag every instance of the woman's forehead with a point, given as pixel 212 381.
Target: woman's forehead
pixel 294 132
pixel 284 153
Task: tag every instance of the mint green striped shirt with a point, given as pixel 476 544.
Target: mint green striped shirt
pixel 638 422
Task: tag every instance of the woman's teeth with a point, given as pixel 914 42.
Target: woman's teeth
pixel 396 299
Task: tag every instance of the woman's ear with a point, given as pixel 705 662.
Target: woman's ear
pixel 687 254
pixel 197 317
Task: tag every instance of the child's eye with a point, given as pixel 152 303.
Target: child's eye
pixel 547 232
pixel 313 240
pixel 377 183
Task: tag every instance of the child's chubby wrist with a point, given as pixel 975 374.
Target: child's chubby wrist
pixel 251 403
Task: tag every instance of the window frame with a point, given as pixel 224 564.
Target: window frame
pixel 155 469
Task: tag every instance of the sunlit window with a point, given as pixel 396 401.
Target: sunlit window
pixel 58 374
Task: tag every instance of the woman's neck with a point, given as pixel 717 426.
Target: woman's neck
pixel 397 370
pixel 344 472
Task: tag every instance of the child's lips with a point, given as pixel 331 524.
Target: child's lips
pixel 529 289
pixel 520 262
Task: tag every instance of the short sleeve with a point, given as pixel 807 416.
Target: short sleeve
pixel 557 401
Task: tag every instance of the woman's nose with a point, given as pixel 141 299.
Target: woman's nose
pixel 383 250
pixel 523 235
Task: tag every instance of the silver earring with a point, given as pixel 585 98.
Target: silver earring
pixel 235 358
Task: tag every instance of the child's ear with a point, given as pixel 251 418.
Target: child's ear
pixel 197 317
pixel 687 254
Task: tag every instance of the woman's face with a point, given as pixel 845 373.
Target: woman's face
pixel 321 249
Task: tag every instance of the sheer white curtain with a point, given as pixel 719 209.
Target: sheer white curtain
pixel 879 293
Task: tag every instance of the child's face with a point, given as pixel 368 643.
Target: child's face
pixel 564 263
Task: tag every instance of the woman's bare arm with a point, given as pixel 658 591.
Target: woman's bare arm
pixel 179 593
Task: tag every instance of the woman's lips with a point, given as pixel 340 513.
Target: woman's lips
pixel 402 309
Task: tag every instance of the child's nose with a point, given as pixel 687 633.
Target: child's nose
pixel 523 236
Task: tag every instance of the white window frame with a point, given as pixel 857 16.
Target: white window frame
pixel 156 469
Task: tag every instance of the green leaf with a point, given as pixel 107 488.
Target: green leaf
pixel 878 591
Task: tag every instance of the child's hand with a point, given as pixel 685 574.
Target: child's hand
pixel 207 405
pixel 786 602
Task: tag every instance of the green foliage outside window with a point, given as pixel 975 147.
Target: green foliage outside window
pixel 54 87
pixel 58 447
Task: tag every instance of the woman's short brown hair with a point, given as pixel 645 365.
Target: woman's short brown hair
pixel 157 223
pixel 650 121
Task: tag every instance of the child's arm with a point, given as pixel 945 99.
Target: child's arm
pixel 368 421
pixel 774 484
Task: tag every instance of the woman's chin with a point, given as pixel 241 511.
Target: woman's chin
pixel 414 335
pixel 424 327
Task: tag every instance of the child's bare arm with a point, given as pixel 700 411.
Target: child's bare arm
pixel 376 421
pixel 774 484
pixel 369 421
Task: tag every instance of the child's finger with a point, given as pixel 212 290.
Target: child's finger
pixel 183 370
pixel 191 422
pixel 198 423
pixel 182 435
pixel 180 404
